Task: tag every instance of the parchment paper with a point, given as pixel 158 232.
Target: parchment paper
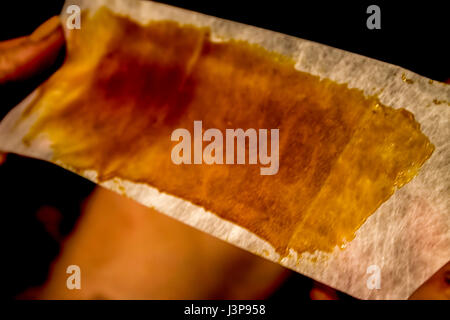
pixel 408 237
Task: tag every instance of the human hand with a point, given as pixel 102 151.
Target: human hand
pixel 24 57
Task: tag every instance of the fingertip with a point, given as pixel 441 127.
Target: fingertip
pixel 322 292
pixel 2 157
pixel 46 29
pixel 23 57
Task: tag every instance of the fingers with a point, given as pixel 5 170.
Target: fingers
pixel 2 158
pixel 322 292
pixel 435 288
pixel 23 57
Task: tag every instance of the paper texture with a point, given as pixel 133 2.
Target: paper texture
pixel 407 238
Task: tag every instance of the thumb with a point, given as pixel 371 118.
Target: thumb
pixel 23 57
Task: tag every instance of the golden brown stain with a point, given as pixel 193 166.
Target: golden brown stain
pixel 438 102
pixel 407 80
pixel 125 87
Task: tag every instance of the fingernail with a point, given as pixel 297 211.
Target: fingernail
pixel 45 29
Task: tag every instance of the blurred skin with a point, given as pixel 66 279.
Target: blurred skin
pixel 128 251
pixel 140 253
pixel 23 57
pixel 436 288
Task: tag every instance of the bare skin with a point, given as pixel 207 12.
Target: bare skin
pixel 129 251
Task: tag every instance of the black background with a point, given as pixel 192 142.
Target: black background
pixel 412 35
